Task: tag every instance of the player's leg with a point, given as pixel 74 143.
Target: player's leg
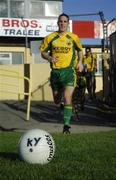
pixel 89 85
pixel 57 95
pixel 68 92
pixel 94 86
pixel 69 83
pixel 57 89
pixel 75 101
pixel 82 95
pixel 82 92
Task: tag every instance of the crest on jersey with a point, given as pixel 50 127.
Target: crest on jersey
pixel 68 43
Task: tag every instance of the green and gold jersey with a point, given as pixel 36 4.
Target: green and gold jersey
pixel 90 62
pixel 63 47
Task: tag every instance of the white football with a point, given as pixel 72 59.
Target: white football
pixel 36 146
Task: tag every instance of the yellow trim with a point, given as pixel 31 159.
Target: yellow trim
pixel 68 106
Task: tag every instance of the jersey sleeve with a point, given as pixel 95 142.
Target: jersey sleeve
pixel 78 43
pixel 45 45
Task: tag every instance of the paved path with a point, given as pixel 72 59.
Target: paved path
pixel 46 116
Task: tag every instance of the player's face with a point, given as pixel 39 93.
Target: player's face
pixel 88 53
pixel 63 24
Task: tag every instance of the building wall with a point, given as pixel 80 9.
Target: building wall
pixel 30 8
pixel 41 89
pixel 9 82
pixel 40 85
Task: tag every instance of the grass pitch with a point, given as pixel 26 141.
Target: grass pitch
pixel 88 156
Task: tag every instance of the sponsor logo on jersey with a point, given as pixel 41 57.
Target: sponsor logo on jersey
pixel 61 49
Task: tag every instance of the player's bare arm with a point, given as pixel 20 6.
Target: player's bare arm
pixel 79 66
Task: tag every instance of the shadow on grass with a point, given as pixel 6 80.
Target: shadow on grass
pixel 6 129
pixel 10 155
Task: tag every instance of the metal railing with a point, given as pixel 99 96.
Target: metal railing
pixel 9 77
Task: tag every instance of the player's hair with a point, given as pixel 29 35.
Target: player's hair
pixel 63 14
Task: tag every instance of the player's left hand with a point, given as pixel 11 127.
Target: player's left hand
pixel 79 67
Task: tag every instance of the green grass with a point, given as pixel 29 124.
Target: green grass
pixel 89 156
